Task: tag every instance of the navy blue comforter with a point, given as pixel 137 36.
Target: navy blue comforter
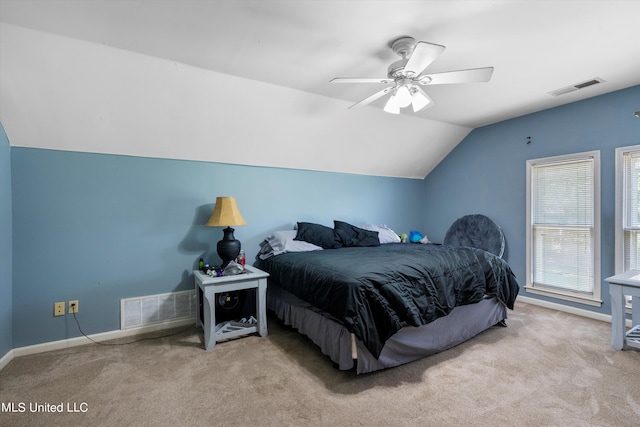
pixel 375 291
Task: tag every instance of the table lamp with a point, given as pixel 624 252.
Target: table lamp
pixel 226 214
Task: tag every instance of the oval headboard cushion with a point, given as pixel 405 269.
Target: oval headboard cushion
pixel 477 231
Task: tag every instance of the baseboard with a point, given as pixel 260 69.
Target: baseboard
pixel 73 342
pixel 567 309
pixel 6 359
pixel 104 336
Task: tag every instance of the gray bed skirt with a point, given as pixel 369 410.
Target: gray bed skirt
pixel 407 345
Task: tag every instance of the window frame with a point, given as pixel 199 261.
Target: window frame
pixel 593 298
pixel 620 210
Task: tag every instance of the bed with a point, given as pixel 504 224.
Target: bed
pixel 372 304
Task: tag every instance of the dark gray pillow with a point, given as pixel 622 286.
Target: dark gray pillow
pixel 319 235
pixel 350 235
pixel 477 231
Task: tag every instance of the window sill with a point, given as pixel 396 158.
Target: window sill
pixel 567 296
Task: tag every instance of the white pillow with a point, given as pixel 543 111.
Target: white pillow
pixel 385 234
pixel 283 241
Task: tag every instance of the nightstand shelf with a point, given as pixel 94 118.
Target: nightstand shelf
pixel 206 289
pixel 632 337
pixel 231 329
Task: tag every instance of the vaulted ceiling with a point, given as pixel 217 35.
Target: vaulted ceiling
pixel 247 81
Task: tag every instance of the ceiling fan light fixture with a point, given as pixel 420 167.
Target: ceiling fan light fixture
pixel 403 96
pixel 392 105
pixel 419 101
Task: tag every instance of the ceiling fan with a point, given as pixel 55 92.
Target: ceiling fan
pixel 406 76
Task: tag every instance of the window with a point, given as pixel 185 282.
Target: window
pixel 627 210
pixel 563 227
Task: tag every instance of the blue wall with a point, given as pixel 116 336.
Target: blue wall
pixel 99 228
pixel 6 308
pixel 486 172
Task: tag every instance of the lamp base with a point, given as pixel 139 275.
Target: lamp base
pixel 228 247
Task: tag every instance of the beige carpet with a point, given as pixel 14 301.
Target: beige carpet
pixel 546 369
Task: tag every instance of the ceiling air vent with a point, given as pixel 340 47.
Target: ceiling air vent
pixel 576 86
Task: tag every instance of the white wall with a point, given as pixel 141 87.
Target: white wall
pixel 67 94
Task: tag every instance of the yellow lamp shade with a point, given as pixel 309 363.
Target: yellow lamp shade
pixel 225 213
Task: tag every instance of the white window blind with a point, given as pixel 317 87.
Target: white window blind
pixel 562 219
pixel 631 214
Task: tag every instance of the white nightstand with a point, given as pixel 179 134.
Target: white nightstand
pixel 206 289
pixel 627 283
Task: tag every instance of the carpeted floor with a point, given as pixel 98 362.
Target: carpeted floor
pixel 545 369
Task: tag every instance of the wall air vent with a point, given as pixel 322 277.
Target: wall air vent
pixel 160 308
pixel 576 86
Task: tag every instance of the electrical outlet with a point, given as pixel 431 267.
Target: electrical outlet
pixel 73 306
pixel 58 309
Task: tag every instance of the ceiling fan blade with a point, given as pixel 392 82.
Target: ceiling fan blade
pixel 474 75
pixel 373 97
pixel 359 80
pixel 423 54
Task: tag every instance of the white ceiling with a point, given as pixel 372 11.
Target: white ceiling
pixel 535 46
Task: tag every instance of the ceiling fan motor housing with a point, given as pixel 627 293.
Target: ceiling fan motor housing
pixel 403 46
pixel 396 70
